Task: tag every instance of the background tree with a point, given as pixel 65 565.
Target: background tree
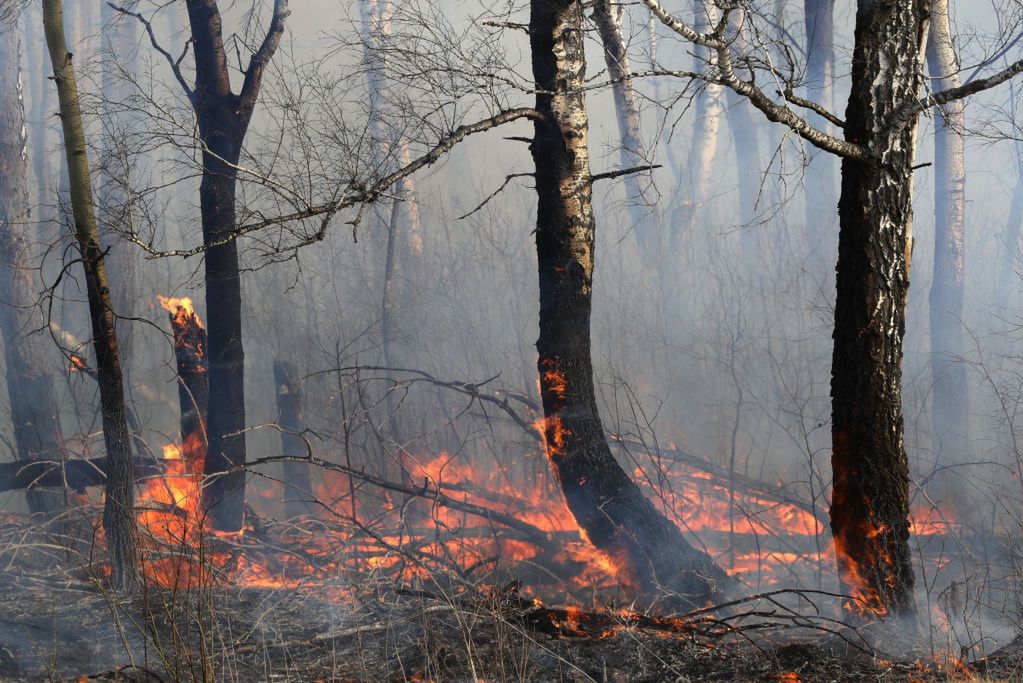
pixel 29 377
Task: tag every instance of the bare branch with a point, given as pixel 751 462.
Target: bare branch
pixel 175 64
pixel 607 175
pixel 257 65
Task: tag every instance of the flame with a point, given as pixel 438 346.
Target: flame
pixel 77 363
pixel 181 308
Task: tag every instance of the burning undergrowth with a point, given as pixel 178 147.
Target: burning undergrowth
pixel 413 561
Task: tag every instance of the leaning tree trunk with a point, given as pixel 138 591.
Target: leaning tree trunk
pixel 870 502
pixel 223 118
pixel 118 510
pixel 950 398
pixel 29 383
pixel 649 550
pixel 821 169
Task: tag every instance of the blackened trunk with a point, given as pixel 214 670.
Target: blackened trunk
pixel 289 408
pixel 950 398
pixel 190 356
pixel 870 502
pixel 651 555
pixel 224 494
pixel 29 383
pixel 223 119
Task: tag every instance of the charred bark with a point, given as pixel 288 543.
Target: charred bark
pixel 223 118
pixel 289 407
pixel 870 498
pixel 650 552
pixel 29 383
pixel 190 356
pixel 118 509
pixel 950 398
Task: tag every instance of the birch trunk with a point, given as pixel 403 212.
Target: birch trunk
pixel 118 510
pixel 29 383
pixel 950 399
pixel 870 496
pixel 649 551
pixel 640 200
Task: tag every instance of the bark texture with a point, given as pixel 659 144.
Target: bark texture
pixel 223 118
pixel 118 509
pixel 870 501
pixel 29 383
pixel 950 398
pixel 649 551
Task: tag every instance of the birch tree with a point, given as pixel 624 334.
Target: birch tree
pixel 870 489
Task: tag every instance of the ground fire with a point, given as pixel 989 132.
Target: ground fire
pixel 557 340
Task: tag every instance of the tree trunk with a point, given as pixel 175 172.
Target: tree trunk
pixel 223 119
pixel 115 201
pixel 289 407
pixel 190 356
pixel 709 108
pixel 608 18
pixel 950 398
pixel 118 510
pixel 870 502
pixel 821 170
pixel 648 550
pixel 34 413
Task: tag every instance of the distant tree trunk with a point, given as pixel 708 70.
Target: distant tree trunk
pixel 29 383
pixel 706 127
pixel 115 201
pixel 870 498
pixel 649 551
pixel 821 170
pixel 118 510
pixel 289 409
pixel 950 398
pixel 640 201
pixel 223 119
pixel 748 163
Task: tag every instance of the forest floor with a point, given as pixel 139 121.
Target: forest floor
pixel 68 630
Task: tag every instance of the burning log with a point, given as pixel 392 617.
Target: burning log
pixel 193 381
pixel 296 472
